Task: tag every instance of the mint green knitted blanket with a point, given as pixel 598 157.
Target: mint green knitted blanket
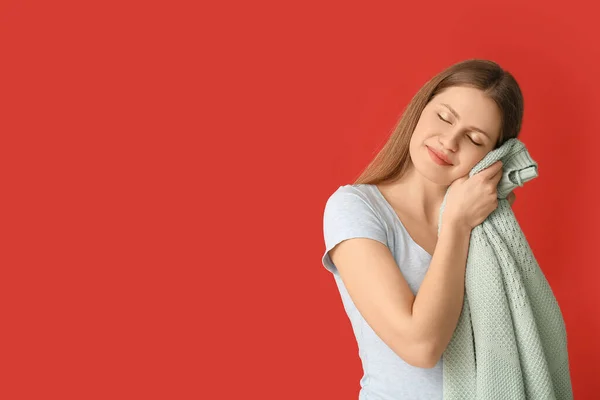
pixel 510 342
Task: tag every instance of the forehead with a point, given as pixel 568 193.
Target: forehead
pixel 466 98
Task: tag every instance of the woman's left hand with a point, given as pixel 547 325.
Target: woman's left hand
pixel 511 198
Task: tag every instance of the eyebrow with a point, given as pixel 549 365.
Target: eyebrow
pixel 473 128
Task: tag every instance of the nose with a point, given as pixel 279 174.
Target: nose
pixel 449 139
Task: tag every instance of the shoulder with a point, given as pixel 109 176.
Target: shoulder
pixel 351 194
pixel 350 213
pixel 353 205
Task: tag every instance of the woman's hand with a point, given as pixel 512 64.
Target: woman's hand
pixel 511 198
pixel 471 199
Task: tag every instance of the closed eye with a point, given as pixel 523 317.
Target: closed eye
pixel 474 142
pixel 440 117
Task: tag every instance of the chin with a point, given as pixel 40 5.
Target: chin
pixel 432 173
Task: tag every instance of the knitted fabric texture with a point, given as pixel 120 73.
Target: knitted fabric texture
pixel 510 341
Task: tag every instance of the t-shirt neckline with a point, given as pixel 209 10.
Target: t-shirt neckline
pixel 397 218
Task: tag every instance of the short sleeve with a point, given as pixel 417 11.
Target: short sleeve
pixel 348 215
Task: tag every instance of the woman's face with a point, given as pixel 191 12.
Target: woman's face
pixel 463 124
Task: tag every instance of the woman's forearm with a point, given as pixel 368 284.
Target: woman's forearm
pixel 439 301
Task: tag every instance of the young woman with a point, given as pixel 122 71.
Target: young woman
pixel 401 284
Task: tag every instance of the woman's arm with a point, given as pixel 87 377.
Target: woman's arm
pixel 439 301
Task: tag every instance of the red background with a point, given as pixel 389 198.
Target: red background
pixel 164 168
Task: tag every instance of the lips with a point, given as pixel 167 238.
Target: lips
pixel 440 155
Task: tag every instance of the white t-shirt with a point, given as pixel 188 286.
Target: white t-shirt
pixel 361 211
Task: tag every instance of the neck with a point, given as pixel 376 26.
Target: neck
pixel 418 194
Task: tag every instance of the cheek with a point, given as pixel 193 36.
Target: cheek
pixel 470 160
pixel 419 135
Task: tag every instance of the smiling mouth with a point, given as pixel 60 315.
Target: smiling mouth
pixel 437 157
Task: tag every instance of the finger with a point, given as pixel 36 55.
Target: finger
pixel 498 176
pixel 491 171
pixel 461 179
pixel 494 180
pixel 511 198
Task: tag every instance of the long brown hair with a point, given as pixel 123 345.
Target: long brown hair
pixel 394 158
